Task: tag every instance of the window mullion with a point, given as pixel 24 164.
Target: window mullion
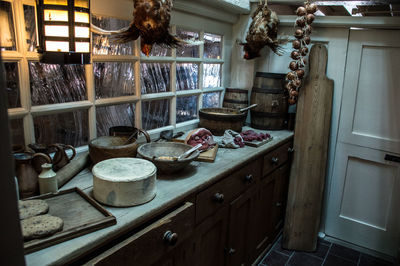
pixel 172 111
pixel 138 106
pixel 91 98
pixel 23 71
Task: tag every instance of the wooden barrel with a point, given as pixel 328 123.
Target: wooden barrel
pixel 236 98
pixel 272 107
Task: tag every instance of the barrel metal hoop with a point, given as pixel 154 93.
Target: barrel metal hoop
pixel 236 101
pixel 236 90
pixel 267 127
pixel 271 75
pixel 267 114
pixel 268 89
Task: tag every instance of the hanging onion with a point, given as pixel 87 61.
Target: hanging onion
pixel 303 30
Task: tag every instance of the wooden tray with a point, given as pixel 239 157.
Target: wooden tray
pixel 80 213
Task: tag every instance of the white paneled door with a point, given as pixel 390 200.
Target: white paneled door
pixel 364 201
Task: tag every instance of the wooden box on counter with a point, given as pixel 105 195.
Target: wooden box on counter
pixel 230 222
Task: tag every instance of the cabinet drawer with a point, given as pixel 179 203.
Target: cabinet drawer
pixel 148 245
pixel 276 158
pixel 221 193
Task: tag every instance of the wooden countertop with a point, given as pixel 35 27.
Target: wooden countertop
pixel 170 191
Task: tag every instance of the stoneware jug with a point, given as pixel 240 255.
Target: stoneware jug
pixel 47 179
pixel 26 175
pixel 61 158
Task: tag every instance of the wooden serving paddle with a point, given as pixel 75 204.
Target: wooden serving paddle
pixel 311 138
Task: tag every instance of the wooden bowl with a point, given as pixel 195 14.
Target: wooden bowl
pixel 108 147
pixel 217 120
pixel 152 152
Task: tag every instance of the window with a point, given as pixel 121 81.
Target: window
pixel 74 103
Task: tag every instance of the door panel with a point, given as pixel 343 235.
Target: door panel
pixel 369 115
pixel 364 201
pixel 364 198
pixel 368 192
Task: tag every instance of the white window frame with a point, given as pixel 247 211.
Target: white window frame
pixel 27 112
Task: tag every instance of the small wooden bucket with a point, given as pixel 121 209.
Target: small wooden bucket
pixel 235 98
pixel 272 106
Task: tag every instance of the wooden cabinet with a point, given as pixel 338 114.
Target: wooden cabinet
pixel 281 176
pixel 261 233
pixel 241 215
pixel 153 242
pixel 210 239
pixel 231 223
pixel 180 255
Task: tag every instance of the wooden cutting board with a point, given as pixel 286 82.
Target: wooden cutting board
pixel 205 156
pixel 311 137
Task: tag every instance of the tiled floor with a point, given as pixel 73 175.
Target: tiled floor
pixel 327 254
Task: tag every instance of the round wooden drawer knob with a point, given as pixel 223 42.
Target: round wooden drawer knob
pixel 249 178
pixel 219 197
pixel 275 160
pixel 170 238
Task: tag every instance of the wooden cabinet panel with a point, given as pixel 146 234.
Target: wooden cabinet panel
pixel 276 158
pixel 179 256
pixel 210 240
pixel 240 217
pixel 221 193
pixel 261 229
pixel 149 244
pixel 280 196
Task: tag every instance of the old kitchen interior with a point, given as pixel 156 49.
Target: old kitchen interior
pixel 96 135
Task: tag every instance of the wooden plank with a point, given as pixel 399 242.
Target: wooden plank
pixel 80 214
pixel 307 177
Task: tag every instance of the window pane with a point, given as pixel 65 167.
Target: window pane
pixel 115 115
pixel 158 50
pixel 57 83
pixel 212 75
pixel 187 50
pixel 186 108
pixel 211 100
pixel 17 132
pixel 102 43
pixel 187 76
pixel 67 128
pixel 12 85
pixel 30 27
pixel 155 114
pixel 113 79
pixel 7 36
pixel 212 46
pixel 155 77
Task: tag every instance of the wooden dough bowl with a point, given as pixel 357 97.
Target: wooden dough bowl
pixel 108 147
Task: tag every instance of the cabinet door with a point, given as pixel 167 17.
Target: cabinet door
pixel 210 240
pixel 261 229
pixel 240 216
pixel 179 256
pixel 280 197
